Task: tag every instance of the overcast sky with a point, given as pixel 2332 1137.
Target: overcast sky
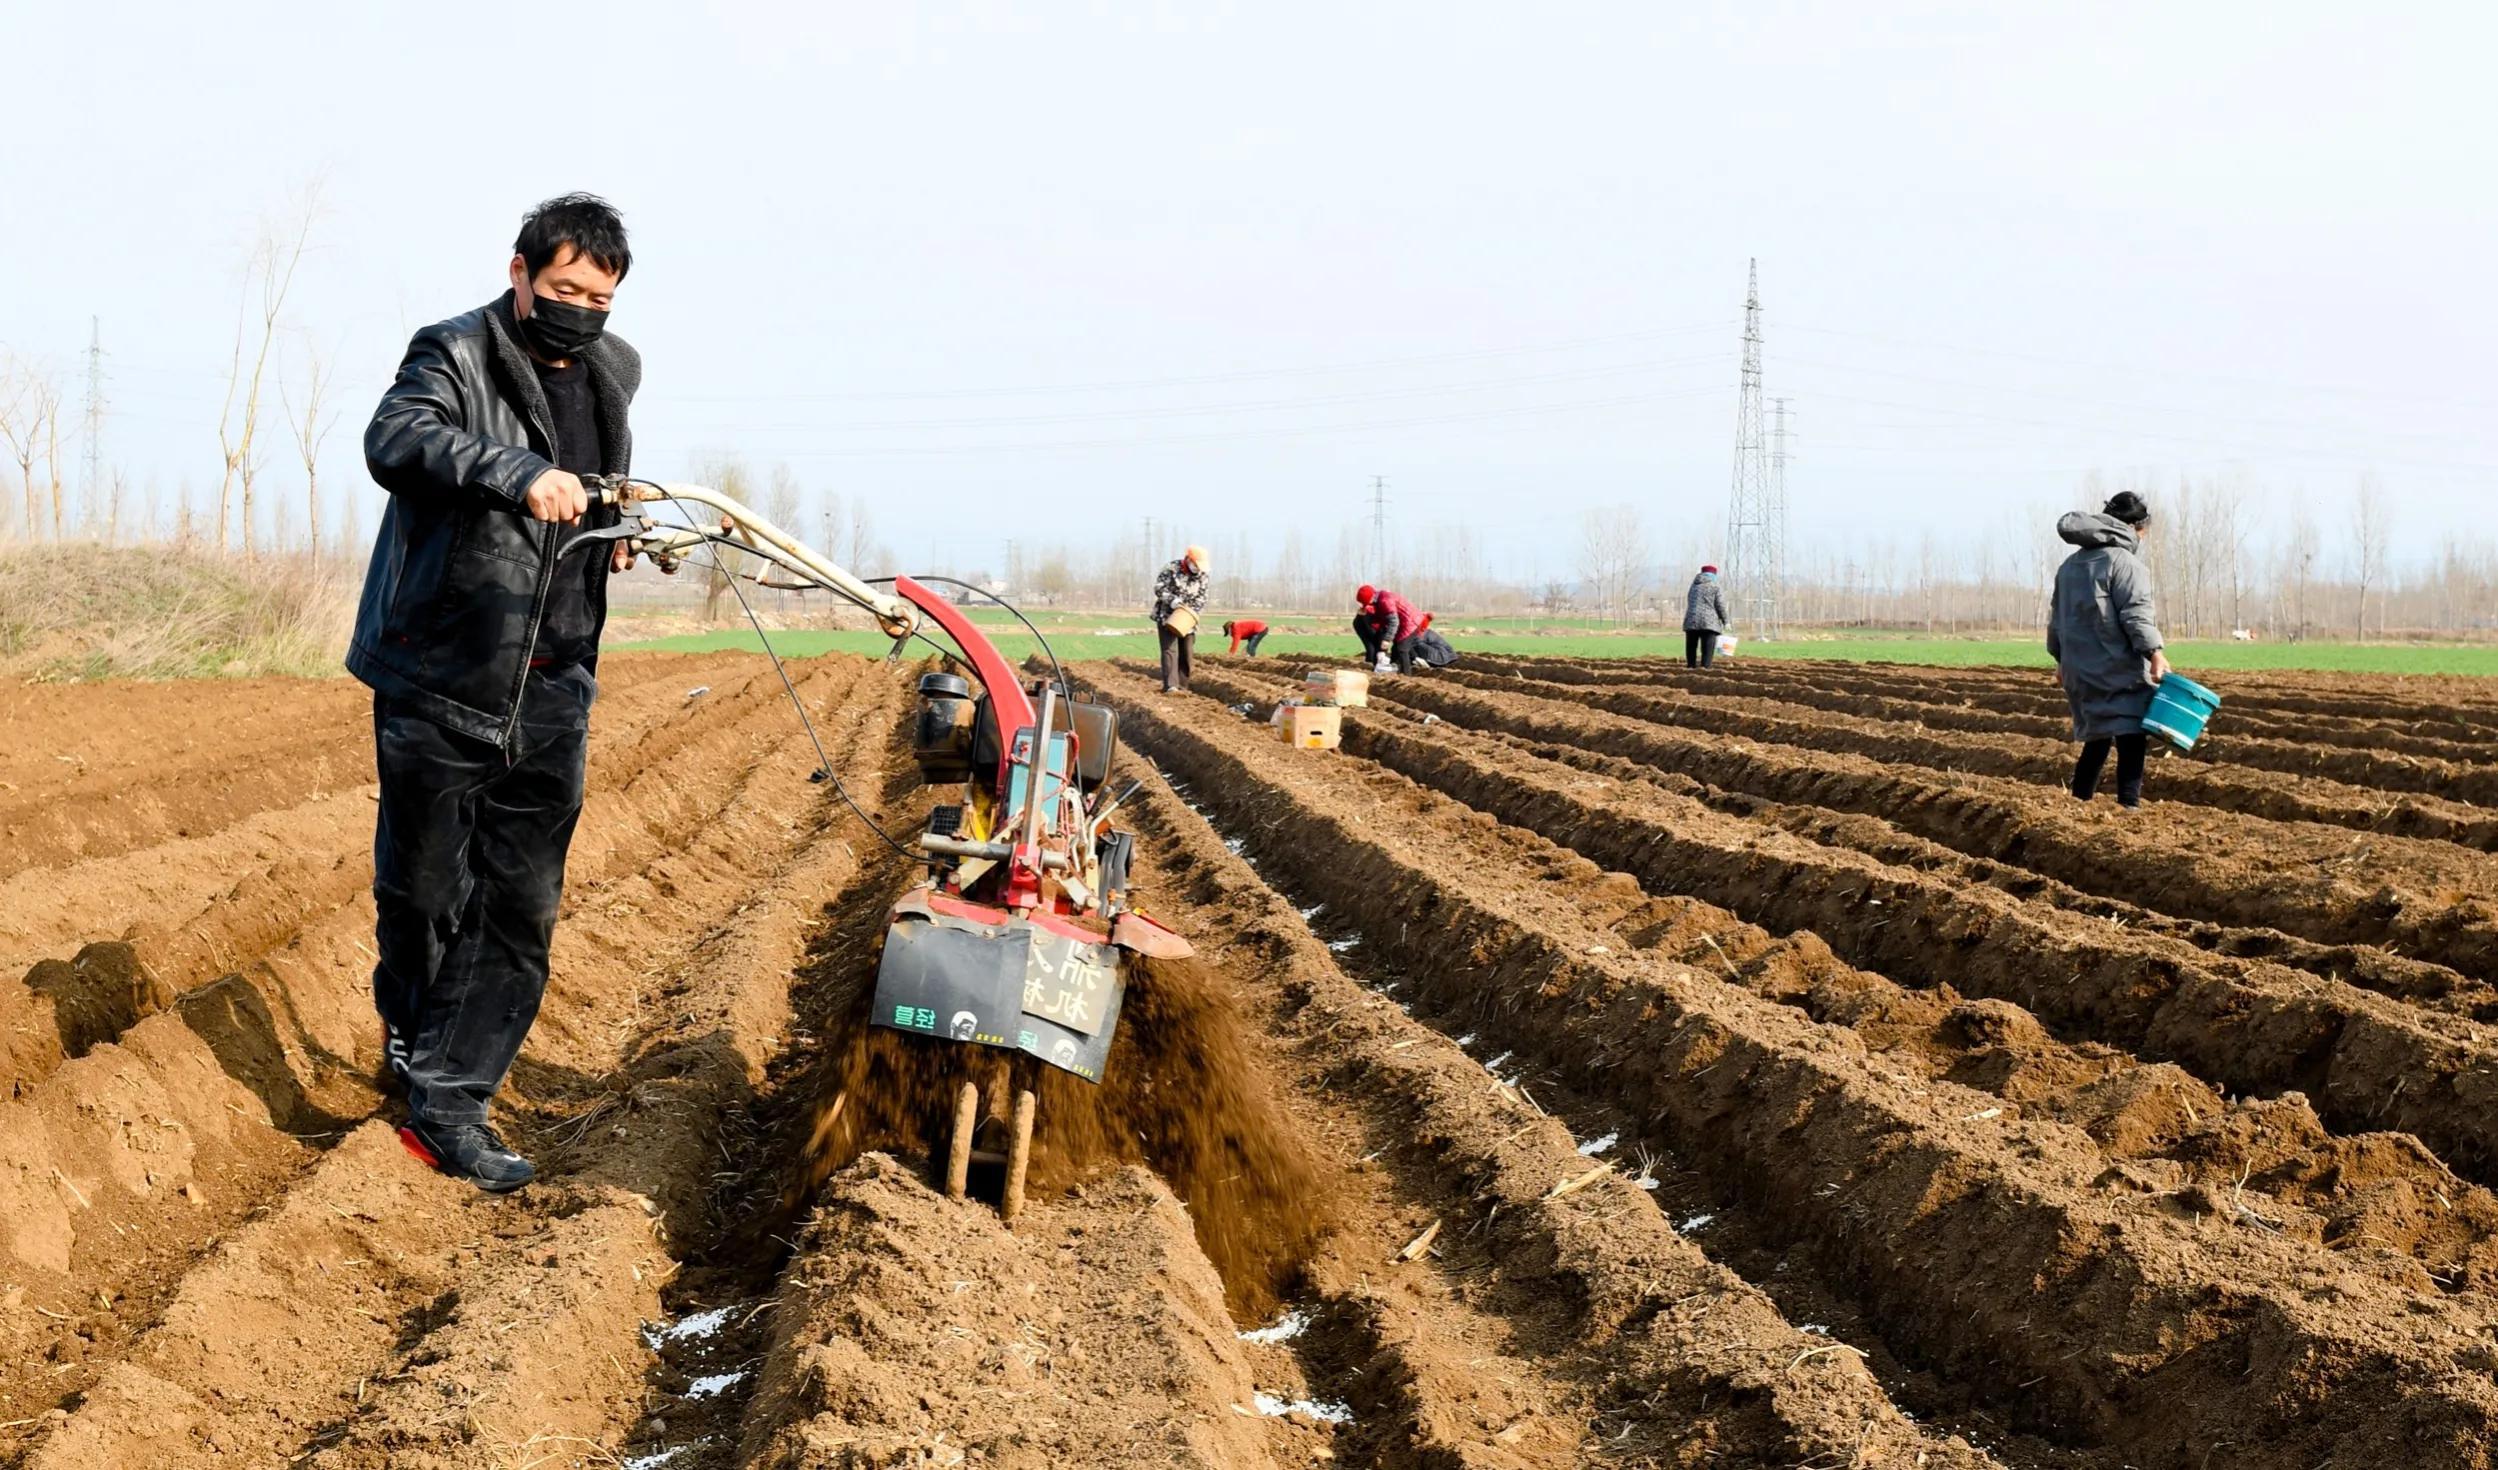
pixel 1044 269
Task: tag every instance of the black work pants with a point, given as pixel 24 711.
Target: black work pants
pixel 1373 633
pixel 1175 650
pixel 2131 751
pixel 1699 648
pixel 1368 630
pixel 468 868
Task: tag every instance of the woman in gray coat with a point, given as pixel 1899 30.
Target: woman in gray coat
pixel 2104 635
pixel 1704 618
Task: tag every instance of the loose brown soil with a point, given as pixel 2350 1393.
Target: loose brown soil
pixel 1590 1064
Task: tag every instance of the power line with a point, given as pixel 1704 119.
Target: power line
pixel 1196 410
pixel 1361 425
pixel 1243 375
pixel 2137 369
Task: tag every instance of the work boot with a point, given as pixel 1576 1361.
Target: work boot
pixel 470 1151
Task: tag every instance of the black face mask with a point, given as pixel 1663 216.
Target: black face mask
pixel 559 329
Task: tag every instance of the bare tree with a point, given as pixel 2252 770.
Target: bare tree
pixel 30 408
pixel 862 540
pixel 723 564
pixel 2232 532
pixel 781 503
pixel 269 274
pixel 2372 523
pixel 783 506
pixel 1613 556
pixel 1056 580
pixel 52 460
pixel 1292 571
pixel 2298 566
pixel 310 426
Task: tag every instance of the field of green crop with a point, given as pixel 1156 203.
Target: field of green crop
pixel 1080 638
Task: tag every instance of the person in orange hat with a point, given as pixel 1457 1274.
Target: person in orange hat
pixel 1179 601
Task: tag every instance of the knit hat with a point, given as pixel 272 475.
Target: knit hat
pixel 2128 507
pixel 1710 570
pixel 1365 594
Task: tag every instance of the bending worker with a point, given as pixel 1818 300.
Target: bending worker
pixel 2104 635
pixel 1245 630
pixel 1704 618
pixel 1179 601
pixel 1386 625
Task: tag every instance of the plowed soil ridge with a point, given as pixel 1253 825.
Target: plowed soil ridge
pixel 2246 1025
pixel 1599 1326
pixel 244 1070
pixel 2276 795
pixel 2426 899
pixel 2033 704
pixel 2031 1136
pixel 1856 1158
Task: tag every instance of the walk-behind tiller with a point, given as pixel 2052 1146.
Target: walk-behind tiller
pixel 1014 939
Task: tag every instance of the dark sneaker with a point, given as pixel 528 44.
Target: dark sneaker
pixel 469 1151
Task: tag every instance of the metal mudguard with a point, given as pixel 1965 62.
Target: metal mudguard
pixel 972 973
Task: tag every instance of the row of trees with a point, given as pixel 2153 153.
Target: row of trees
pixel 2222 561
pixel 269 356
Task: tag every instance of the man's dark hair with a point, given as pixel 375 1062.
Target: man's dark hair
pixel 2128 507
pixel 586 222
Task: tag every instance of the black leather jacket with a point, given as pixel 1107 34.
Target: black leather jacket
pixel 458 586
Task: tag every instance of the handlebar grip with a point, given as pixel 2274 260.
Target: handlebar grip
pixel 605 490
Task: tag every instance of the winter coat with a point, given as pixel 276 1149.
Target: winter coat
pixel 457 591
pixel 2102 628
pixel 1704 606
pixel 1396 618
pixel 1179 586
pixel 1432 649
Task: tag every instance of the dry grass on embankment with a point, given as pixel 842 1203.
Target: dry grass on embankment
pixel 84 611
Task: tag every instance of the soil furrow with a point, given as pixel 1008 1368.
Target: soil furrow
pixel 2425 899
pixel 2270 794
pixel 2448 706
pixel 2245 1024
pixel 2087 978
pixel 2230 746
pixel 2418 982
pixel 1591 1293
pixel 204 769
pixel 280 1042
pixel 299 869
pixel 630 1155
pixel 1889 1185
pixel 2030 693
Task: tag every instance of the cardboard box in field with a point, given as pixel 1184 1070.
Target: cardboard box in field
pixel 1311 726
pixel 1347 687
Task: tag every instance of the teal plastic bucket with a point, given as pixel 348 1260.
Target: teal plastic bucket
pixel 2179 708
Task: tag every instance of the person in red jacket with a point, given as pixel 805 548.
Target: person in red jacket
pixel 1387 623
pixel 1245 630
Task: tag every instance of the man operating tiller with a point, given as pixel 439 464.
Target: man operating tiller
pixel 480 641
